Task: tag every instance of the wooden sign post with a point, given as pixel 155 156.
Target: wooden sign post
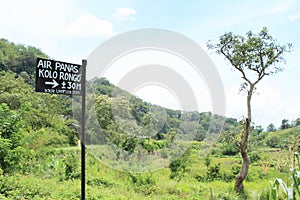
pixel 56 77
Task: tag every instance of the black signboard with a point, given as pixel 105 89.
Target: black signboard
pixel 56 77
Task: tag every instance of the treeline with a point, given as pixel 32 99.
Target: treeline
pixel 19 58
pixel 285 124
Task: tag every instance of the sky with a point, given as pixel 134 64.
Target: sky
pixel 69 30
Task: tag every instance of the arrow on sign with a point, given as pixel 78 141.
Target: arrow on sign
pixel 54 83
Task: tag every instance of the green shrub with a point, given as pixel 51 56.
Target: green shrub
pixel 273 142
pixel 230 149
pixel 71 166
pixel 98 182
pixel 227 196
pixel 207 160
pixel 254 156
pixel 13 188
pixel 213 173
pixel 216 152
pixel 142 179
pixel 265 194
pixel 178 166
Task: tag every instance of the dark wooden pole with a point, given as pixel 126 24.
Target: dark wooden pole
pixel 83 95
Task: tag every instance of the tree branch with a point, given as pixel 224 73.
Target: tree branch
pixel 233 64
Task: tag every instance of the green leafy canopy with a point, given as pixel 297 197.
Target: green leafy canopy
pixel 253 55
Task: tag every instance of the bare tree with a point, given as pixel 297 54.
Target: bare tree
pixel 254 56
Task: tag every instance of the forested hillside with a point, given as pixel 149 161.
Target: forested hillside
pixel 40 158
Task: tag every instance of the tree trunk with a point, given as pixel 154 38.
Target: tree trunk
pixel 244 146
pixel 243 173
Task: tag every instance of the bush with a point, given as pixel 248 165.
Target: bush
pixel 254 157
pixel 213 173
pixel 142 179
pixel 230 150
pixel 273 142
pixel 207 160
pixel 71 169
pixel 228 196
pixel 235 169
pixel 11 188
pixel 178 166
pixel 98 182
pixel 215 152
pixel 265 194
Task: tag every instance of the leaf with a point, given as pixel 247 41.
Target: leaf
pixel 290 193
pixel 283 186
pixel 273 190
pixel 296 155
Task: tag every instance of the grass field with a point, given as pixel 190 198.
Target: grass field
pixel 104 182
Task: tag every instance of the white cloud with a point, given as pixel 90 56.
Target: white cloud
pixel 34 23
pixel 89 26
pixel 283 6
pixel 124 13
pixel 294 16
